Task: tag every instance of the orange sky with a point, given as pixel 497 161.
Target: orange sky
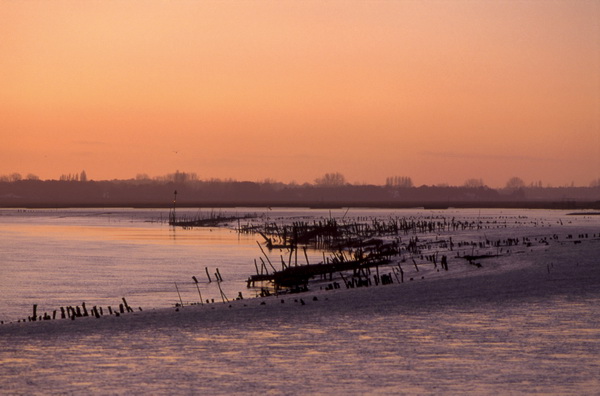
pixel 441 91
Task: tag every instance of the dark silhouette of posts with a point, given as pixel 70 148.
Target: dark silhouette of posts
pixel 180 300
pixel 173 219
pixel 198 287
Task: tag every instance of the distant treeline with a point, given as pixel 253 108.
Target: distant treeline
pixel 216 193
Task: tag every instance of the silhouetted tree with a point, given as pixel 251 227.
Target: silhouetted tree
pixel 595 183
pixel 83 176
pixel 69 177
pixel 537 184
pixel 399 181
pixel 514 183
pixel 474 183
pixel 335 179
pixel 15 177
pixel 178 177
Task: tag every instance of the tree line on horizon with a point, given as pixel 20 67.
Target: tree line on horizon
pixel 330 189
pixel 333 179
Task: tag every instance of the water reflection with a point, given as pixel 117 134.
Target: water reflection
pixel 487 348
pixel 542 343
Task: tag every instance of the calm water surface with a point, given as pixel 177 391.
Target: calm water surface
pixel 439 344
pixel 538 346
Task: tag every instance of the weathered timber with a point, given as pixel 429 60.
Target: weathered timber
pixel 213 220
pixel 295 276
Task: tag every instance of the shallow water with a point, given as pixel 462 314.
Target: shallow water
pixel 60 258
pixel 496 337
pixel 538 346
pixel 57 258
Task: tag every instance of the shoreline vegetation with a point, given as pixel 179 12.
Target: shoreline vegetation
pixel 223 194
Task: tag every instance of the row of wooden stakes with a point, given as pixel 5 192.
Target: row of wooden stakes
pixel 71 312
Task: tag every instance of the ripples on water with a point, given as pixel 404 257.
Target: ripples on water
pixel 547 344
pixel 451 349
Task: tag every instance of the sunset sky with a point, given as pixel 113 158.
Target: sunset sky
pixel 441 91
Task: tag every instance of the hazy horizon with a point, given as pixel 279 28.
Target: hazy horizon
pixel 336 179
pixel 438 91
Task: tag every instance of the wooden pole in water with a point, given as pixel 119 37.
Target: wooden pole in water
pixel 180 300
pixel 401 273
pixel 174 206
pixel 345 281
pixel 127 307
pixel 415 263
pixel 208 275
pixel 396 274
pixel 283 266
pixel 223 296
pixel 198 287
pixel 263 266
pixel 267 257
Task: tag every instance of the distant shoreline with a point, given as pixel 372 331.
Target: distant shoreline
pixel 558 205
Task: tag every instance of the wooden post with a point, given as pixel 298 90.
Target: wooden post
pixel 396 274
pixel 127 307
pixel 283 265
pixel 34 318
pixel 198 287
pixel 263 267
pixel 223 296
pixel 174 206
pixel 267 257
pixel 180 300
pixel 401 274
pixel 208 275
